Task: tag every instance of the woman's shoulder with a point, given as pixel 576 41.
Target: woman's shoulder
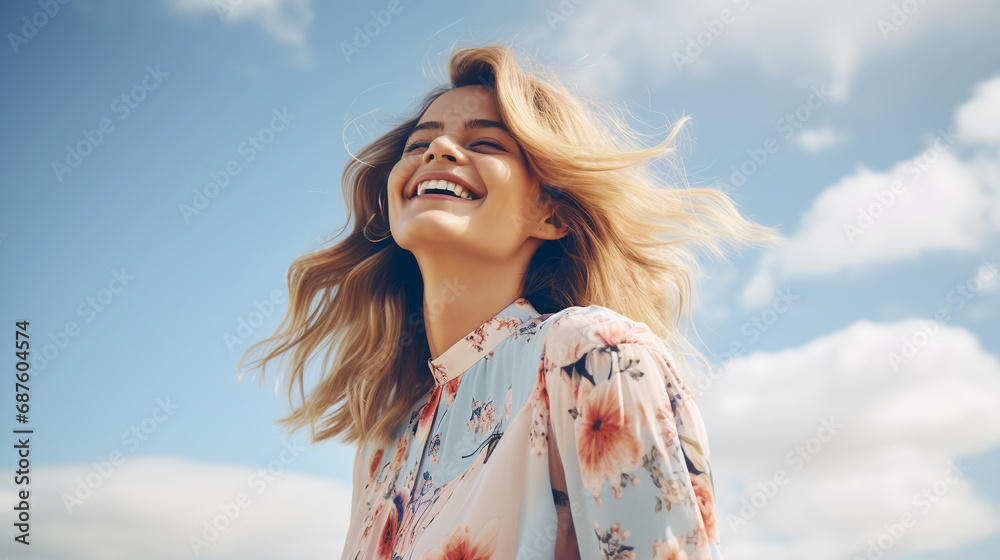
pixel 578 330
pixel 580 315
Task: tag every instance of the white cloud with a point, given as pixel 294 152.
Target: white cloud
pixel 816 140
pixel 990 279
pixel 933 202
pixel 149 507
pixel 285 21
pixel 979 119
pixel 812 42
pixel 899 431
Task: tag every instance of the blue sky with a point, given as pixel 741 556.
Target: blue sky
pixel 843 101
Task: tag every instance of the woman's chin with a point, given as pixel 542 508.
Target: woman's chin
pixel 432 231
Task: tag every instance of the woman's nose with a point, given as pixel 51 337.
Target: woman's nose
pixel 442 148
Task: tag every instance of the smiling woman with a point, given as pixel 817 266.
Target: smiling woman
pixel 503 323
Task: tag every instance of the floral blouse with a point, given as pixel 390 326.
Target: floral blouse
pixel 565 435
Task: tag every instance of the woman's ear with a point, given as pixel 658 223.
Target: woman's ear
pixel 552 227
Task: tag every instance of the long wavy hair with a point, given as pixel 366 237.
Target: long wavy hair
pixel 629 248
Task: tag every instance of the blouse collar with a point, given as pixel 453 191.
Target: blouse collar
pixel 481 341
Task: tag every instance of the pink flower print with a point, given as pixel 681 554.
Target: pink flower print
pixel 461 545
pixel 614 332
pixel 613 542
pixel 539 392
pixel 373 516
pixel 435 448
pixel 507 403
pixel 397 461
pixel 408 481
pixel 439 372
pixel 478 337
pixel 509 323
pixel 481 421
pixel 539 402
pixel 671 549
pixel 427 414
pixel 450 389
pixel 672 492
pixel 486 421
pixel 607 440
pixel 476 409
pixel 564 344
pixel 666 424
pixel 706 503
pixel 373 466
pixel 387 538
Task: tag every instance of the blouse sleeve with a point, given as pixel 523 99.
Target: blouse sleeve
pixel 631 442
pixel 355 478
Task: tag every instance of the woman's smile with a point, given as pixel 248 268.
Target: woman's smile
pixel 440 196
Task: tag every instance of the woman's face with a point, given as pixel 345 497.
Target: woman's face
pixel 461 140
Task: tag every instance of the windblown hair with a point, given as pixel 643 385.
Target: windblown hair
pixel 629 248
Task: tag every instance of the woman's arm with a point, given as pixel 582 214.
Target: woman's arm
pixel 631 441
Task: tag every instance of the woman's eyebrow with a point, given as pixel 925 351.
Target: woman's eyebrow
pixel 471 123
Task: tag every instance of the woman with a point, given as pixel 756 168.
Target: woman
pixel 502 327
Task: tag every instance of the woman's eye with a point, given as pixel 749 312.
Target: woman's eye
pixel 423 144
pixel 492 144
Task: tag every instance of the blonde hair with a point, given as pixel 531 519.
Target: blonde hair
pixel 629 248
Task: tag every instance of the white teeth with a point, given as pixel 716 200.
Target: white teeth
pixel 460 191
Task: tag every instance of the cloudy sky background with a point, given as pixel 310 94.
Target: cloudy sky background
pixel 823 108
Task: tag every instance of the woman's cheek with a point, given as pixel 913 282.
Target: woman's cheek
pixel 402 171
